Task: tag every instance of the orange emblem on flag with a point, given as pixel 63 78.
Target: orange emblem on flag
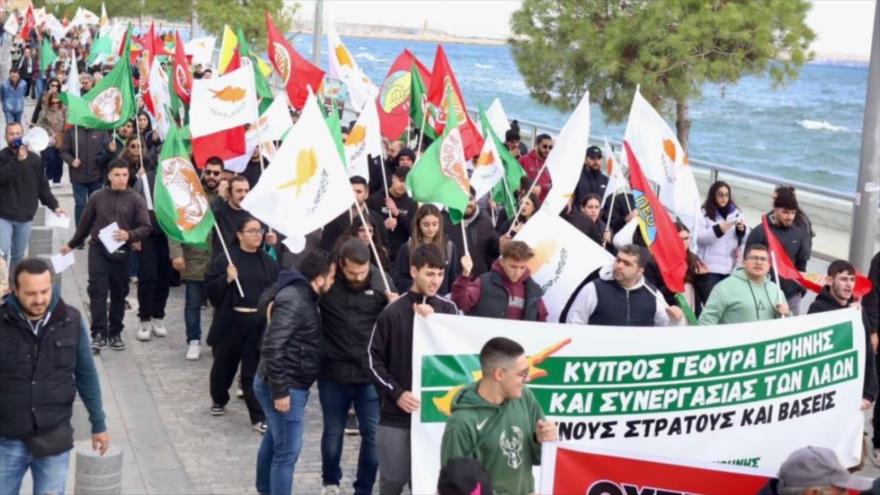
pixel 486 158
pixel 343 57
pixel 230 94
pixel 306 168
pixel 356 136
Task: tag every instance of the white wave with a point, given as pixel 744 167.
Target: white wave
pixel 483 66
pixel 820 125
pixel 370 57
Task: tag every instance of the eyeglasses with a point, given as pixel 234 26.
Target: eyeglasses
pixel 254 232
pixel 524 374
pixel 757 259
pixel 134 146
pixel 212 172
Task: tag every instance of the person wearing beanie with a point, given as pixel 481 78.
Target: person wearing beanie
pixel 794 239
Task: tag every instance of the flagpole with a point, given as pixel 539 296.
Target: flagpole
pixel 228 258
pixel 373 246
pixel 147 194
pixel 76 141
pixel 467 251
pixel 507 189
pixel 528 193
pixel 779 295
pixel 384 179
pixel 421 133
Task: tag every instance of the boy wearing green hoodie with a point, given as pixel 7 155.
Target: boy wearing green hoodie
pixel 498 422
pixel 747 294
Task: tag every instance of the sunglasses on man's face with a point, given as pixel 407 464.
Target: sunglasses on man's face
pixel 212 172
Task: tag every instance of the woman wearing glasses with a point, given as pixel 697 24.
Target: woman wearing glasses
pixel 238 326
pixel 52 118
pixel 720 233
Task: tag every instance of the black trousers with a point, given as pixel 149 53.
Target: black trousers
pixel 154 278
pixel 240 344
pixel 106 276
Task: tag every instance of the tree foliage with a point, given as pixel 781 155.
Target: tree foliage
pixel 669 48
pixel 249 14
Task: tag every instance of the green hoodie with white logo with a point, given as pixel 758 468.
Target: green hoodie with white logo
pixel 736 299
pixel 501 437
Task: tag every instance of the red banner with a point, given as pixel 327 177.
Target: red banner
pixel 593 472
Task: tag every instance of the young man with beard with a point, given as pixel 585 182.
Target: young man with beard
pixel 592 180
pixel 37 388
pixel 390 361
pixel 397 209
pixel 498 421
pixel 229 215
pixel 533 162
pixel 348 312
pixel 193 262
pixel 108 272
pixel 838 294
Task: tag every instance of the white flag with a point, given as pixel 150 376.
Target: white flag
pixel 84 17
pixel 663 161
pixel 201 49
pixel 617 182
pixel 308 186
pixel 161 99
pixel 72 86
pixel 223 102
pixel 11 25
pixel 567 157
pixel 498 119
pixel 275 121
pixel 239 163
pixel 55 27
pixel 343 66
pixel 363 139
pixel 564 257
pixel 488 170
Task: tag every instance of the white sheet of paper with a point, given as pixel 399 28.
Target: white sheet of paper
pixel 61 262
pixel 59 221
pixel 106 236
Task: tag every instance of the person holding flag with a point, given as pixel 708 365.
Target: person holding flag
pixel 592 180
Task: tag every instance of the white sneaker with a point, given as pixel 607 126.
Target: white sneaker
pixel 159 327
pixel 143 331
pixel 330 490
pixel 194 350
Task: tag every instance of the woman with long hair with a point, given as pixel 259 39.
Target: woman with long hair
pixel 53 118
pixel 357 231
pixel 150 136
pixel 697 283
pixel 427 228
pixel 529 205
pixel 238 325
pixel 721 232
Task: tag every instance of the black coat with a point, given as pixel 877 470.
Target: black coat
pixel 482 241
pixel 590 182
pixel 796 244
pixel 22 185
pixel 407 210
pixel 290 356
pixel 826 302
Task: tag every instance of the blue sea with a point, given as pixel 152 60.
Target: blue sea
pixel 808 130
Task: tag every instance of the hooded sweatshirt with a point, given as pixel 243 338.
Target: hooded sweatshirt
pixel 737 299
pixel 501 437
pixel 468 293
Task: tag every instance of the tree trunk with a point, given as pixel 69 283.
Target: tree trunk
pixel 682 123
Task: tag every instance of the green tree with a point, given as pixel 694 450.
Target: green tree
pixel 668 47
pixel 248 14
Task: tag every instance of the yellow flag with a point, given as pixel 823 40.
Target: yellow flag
pixel 227 48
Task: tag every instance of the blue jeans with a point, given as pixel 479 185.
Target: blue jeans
pixel 39 87
pixel 81 193
pixel 12 116
pixel 192 309
pixel 336 399
pixel 49 473
pixel 283 441
pixel 14 237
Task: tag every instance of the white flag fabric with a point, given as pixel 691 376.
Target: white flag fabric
pixel 364 139
pixel 223 102
pixel 239 163
pixel 201 49
pixel 488 170
pixel 104 21
pixel 564 257
pixel 56 29
pixel 663 161
pixel 39 16
pixel 11 25
pixel 275 121
pixel 84 17
pixel 72 86
pixel 343 66
pixel 617 182
pixel 161 99
pixel 307 187
pixel 498 119
pixel 566 160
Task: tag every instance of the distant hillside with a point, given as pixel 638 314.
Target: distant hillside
pixel 306 26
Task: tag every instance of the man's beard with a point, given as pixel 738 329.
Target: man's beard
pixel 354 285
pixel 208 186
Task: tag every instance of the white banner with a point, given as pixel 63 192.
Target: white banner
pixel 744 394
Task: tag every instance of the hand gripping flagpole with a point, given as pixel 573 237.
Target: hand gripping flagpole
pixel 228 258
pixel 373 247
pixel 779 295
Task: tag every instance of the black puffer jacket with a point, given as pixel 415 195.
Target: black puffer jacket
pixel 291 352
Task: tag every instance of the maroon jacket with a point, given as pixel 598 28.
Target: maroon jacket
pixel 532 164
pixel 467 292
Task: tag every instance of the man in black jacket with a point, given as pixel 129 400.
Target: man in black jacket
pixel 592 180
pixel 348 312
pixel 37 388
pixel 793 239
pixel 334 230
pixel 838 294
pixel 390 360
pixel 82 147
pixel 108 272
pixel 482 238
pixel 22 184
pixel 397 209
pixel 289 365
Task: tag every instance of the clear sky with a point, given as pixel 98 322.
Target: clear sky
pixel 843 27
